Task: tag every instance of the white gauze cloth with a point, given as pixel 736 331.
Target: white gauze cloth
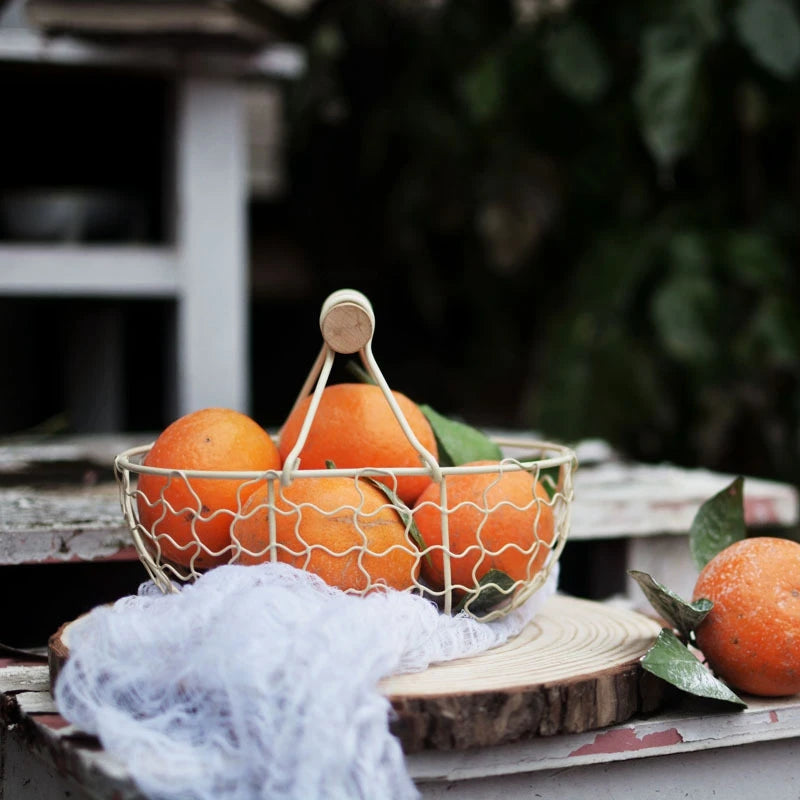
pixel 260 682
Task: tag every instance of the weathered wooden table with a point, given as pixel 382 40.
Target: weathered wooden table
pixel 59 507
pixel 59 503
pixel 61 527
pixel 688 751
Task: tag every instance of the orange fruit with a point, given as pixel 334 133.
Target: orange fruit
pixel 751 637
pixel 201 510
pixel 354 427
pixel 496 520
pixel 326 526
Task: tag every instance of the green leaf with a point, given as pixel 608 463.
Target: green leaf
pixel 756 260
pixel 773 334
pixel 665 92
pixel 683 616
pixel 770 30
pixel 358 372
pixel 550 479
pixel 482 88
pixel 405 514
pixel 493 588
pixel 719 522
pixel 683 312
pixel 705 17
pixel 459 443
pixel 689 253
pixel 670 660
pixel 576 63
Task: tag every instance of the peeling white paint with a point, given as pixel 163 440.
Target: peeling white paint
pixel 616 500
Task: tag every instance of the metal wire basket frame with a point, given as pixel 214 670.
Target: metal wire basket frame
pixel 347 324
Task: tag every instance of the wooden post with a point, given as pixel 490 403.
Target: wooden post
pixel 212 310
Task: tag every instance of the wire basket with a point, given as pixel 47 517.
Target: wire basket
pixel 494 530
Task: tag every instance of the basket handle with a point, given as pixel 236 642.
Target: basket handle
pixel 347 323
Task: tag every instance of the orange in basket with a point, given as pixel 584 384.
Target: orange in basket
pixel 354 427
pixel 343 530
pixel 497 520
pixel 190 518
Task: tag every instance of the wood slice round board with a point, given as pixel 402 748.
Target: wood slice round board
pixel 574 668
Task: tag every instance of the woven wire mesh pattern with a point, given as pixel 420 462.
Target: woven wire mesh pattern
pixel 484 554
pixel 541 528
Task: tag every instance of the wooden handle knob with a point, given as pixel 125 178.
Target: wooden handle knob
pixel 347 321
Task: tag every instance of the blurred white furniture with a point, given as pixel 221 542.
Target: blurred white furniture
pixel 203 267
pixel 648 509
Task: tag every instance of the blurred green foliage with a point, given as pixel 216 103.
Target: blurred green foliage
pixel 595 206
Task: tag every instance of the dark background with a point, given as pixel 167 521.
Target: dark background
pixel 568 220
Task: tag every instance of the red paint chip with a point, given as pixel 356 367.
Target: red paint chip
pixel 53 721
pixel 625 740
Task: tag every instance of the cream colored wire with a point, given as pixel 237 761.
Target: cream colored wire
pixel 130 462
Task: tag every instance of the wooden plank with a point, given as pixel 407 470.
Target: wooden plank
pixel 617 499
pixel 62 525
pixel 84 521
pixel 679 737
pixel 696 727
pixel 40 456
pixel 211 185
pixel 27 678
pixel 672 751
pixel 40 702
pixel 281 60
pixel 24 775
pixel 59 500
pixel 88 271
pixel 40 760
pixel 757 770
pixel 146 20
